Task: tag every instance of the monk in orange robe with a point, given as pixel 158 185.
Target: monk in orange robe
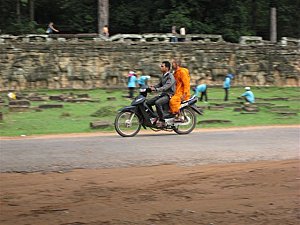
pixel 182 93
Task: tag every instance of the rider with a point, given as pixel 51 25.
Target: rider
pixel 182 77
pixel 167 88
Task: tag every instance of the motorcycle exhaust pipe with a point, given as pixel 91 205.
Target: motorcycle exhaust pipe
pixel 195 108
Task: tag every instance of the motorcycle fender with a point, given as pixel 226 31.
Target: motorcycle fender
pixel 196 109
pixel 128 109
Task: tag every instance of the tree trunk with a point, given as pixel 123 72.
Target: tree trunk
pixel 254 15
pixel 273 28
pixel 103 14
pixel 18 11
pixel 31 10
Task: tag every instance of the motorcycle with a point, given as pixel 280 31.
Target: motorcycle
pixel 130 119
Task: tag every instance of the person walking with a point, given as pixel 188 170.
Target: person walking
pixel 132 80
pixel 105 31
pixel 227 84
pixel 182 93
pixel 51 28
pixel 174 34
pixel 182 33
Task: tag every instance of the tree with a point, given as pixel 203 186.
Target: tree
pixel 230 18
pixel 103 14
pixel 31 10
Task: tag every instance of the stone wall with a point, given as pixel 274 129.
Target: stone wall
pixel 91 64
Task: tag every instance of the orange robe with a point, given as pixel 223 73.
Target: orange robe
pixel 182 77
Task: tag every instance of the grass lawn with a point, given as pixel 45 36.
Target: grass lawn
pixel 76 117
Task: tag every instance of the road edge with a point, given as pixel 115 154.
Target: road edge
pixel 101 133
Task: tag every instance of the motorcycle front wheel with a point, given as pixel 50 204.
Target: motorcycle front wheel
pixel 127 124
pixel 189 122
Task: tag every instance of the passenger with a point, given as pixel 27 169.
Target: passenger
pixel 167 88
pixel 182 77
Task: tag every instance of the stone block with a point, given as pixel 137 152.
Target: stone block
pixel 287 113
pixel 251 109
pixel 61 39
pixel 23 103
pixel 80 100
pixel 228 105
pixel 285 41
pixel 204 38
pixel 215 107
pixel 99 124
pixel 17 108
pixel 266 104
pixel 239 109
pixel 110 98
pixel 51 106
pixel 246 40
pixel 213 121
pixel 276 99
pixel 248 113
pixel 83 96
pixel 56 98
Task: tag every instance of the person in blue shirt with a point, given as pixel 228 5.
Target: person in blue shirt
pixel 227 84
pixel 248 95
pixel 132 80
pixel 201 88
pixel 143 79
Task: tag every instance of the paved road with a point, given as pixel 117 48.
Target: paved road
pixel 219 146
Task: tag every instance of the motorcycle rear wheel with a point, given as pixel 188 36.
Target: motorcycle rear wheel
pixel 127 124
pixel 190 116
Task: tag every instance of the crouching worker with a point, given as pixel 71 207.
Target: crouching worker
pixel 182 93
pixel 248 95
pixel 201 88
pixel 167 88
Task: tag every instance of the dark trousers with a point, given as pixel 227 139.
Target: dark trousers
pixel 159 101
pixel 226 94
pixel 131 92
pixel 204 94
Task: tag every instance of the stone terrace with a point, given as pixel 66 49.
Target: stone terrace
pixel 84 62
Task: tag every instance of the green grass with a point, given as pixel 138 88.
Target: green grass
pixel 76 117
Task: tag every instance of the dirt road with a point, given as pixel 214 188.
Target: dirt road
pixel 224 191
pixel 229 194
